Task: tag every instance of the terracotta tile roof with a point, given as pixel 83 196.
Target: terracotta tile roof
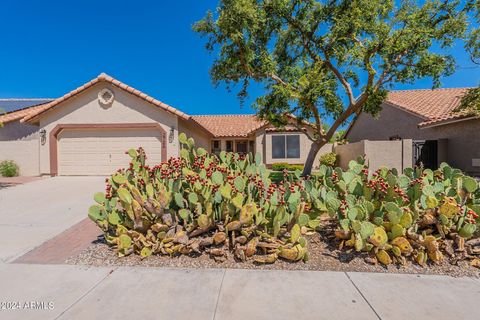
pixel 452 117
pixel 105 78
pixel 433 106
pixel 240 125
pixel 19 114
pixel 287 128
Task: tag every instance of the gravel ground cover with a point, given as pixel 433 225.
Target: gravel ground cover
pixel 322 247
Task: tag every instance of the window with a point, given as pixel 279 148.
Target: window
pixel 242 147
pixel 293 146
pixel 285 146
pixel 278 147
pixel 216 147
pixel 229 146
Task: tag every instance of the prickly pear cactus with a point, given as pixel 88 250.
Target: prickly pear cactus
pixel 203 203
pixel 412 213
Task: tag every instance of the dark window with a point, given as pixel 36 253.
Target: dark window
pixel 216 146
pixel 278 147
pixel 242 147
pixel 229 146
pixel 293 146
pixel 285 146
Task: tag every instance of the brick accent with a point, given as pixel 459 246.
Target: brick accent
pixel 63 246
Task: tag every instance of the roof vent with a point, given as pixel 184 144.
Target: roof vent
pixel 105 97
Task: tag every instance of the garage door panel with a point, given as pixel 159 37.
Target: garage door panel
pixel 102 152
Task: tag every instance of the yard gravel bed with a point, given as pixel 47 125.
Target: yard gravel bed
pixel 323 252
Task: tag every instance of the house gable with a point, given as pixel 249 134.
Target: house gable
pixel 392 121
pixel 33 116
pixel 84 109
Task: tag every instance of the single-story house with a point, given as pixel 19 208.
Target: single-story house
pixel 429 118
pixel 86 132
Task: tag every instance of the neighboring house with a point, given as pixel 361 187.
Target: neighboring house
pixel 88 130
pixel 13 130
pixel 428 117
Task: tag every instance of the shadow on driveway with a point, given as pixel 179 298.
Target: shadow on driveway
pixel 6 182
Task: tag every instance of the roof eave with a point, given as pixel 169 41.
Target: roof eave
pixel 445 122
pixel 402 108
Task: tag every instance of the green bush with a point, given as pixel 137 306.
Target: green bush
pixel 8 168
pixel 280 166
pixel 329 159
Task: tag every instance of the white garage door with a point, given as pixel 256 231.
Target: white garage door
pixel 102 152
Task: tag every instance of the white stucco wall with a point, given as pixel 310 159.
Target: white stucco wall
pixel 85 109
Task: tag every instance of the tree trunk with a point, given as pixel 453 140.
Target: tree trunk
pixel 307 170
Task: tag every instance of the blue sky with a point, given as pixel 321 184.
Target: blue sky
pixel 52 47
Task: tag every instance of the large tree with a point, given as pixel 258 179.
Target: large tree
pixel 471 101
pixel 329 59
pixel 473 39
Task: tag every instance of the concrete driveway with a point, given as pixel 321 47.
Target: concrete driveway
pixel 34 212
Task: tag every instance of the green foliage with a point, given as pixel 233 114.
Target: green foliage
pixel 338 136
pixel 312 56
pixel 473 40
pixel 280 166
pixel 412 214
pixel 203 203
pixel 470 103
pixel 8 168
pixel 328 159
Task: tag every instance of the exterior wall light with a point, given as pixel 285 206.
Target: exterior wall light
pixel 43 136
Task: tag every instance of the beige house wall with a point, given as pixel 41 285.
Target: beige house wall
pixel 17 131
pixel 24 153
pixel 459 142
pixel 390 122
pixel 202 139
pixel 126 108
pixel 347 152
pixel 390 154
pixel 263 145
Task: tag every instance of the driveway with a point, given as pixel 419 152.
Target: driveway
pixel 34 212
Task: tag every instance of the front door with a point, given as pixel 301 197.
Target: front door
pixel 425 153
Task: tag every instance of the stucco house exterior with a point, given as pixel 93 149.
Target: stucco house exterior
pixel 86 132
pixel 428 117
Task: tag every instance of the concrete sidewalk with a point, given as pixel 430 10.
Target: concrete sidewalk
pixel 37 211
pixel 150 293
